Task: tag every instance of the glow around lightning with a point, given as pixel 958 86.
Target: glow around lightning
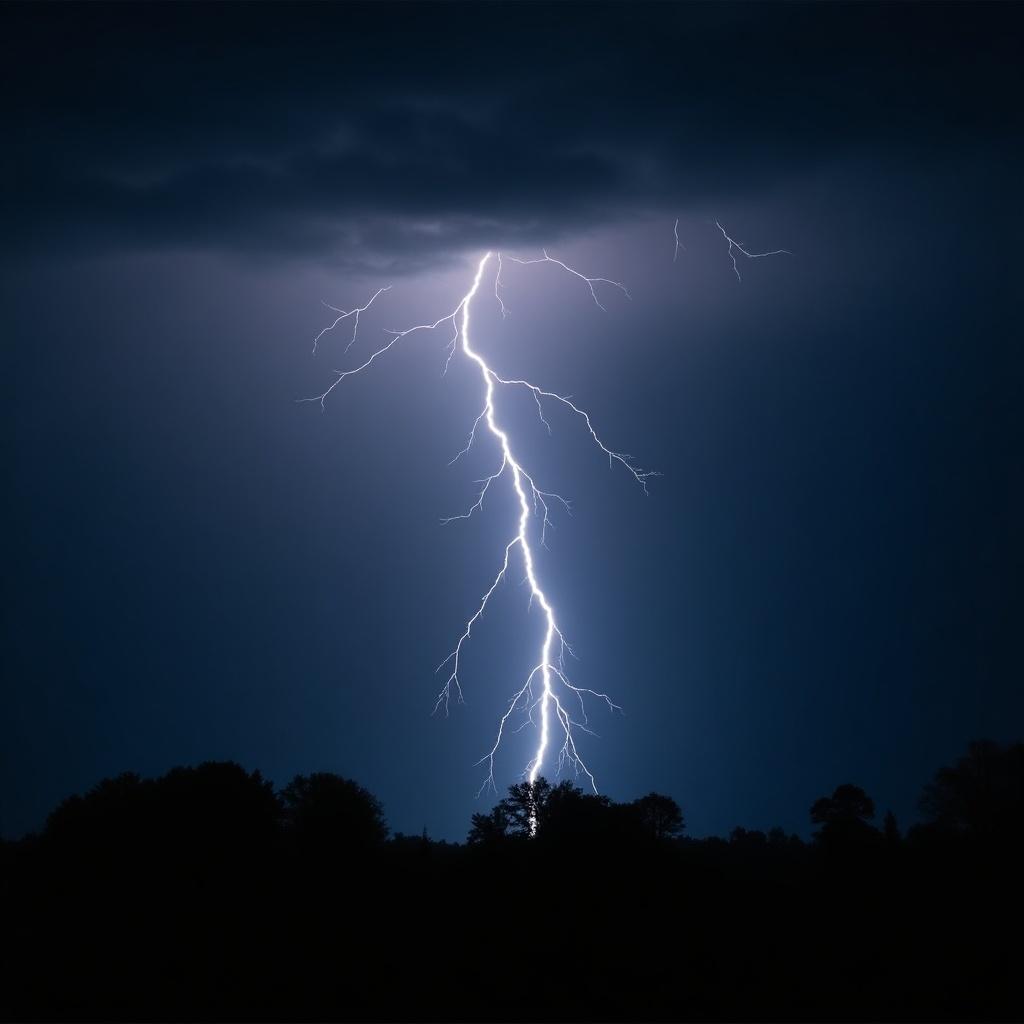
pixel 547 700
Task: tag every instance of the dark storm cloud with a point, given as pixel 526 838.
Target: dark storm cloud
pixel 402 131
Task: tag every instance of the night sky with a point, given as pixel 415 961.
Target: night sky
pixel 823 587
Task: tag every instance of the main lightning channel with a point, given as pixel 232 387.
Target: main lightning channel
pixel 548 700
pixel 547 695
pixel 538 699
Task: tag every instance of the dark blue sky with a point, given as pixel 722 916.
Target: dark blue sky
pixel 824 585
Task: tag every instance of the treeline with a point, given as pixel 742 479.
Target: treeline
pixel 206 894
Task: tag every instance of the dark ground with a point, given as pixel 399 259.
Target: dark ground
pixel 206 895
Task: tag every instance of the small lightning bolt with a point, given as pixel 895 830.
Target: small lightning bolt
pixel 548 699
pixel 750 255
pixel 679 245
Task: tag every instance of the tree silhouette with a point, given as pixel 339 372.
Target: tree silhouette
pixel 566 814
pixel 491 827
pixel 571 816
pixel 525 806
pixel 748 839
pixel 330 814
pixel 204 814
pixel 844 818
pixel 982 794
pixel 848 803
pixel 659 816
pixel 104 809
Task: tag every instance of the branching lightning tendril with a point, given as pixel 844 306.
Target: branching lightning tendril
pixel 344 314
pixel 548 699
pixel 734 245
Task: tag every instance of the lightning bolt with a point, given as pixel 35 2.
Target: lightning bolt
pixel 547 699
pixel 750 255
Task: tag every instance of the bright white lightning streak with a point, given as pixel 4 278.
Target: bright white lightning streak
pixel 679 245
pixel 532 501
pixel 750 255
